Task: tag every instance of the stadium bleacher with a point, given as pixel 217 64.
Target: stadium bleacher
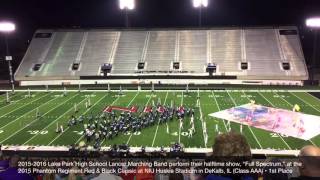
pixel 247 53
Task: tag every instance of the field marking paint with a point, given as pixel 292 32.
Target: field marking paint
pixel 95 105
pixel 128 106
pixel 215 100
pixel 307 92
pixel 306 102
pixel 5 97
pixel 24 115
pixel 155 134
pixel 59 117
pixel 134 90
pixel 23 106
pixel 277 133
pixel 14 102
pixel 255 137
pixel 82 114
pixel 201 119
pixel 36 119
pixel 181 120
pixel 282 98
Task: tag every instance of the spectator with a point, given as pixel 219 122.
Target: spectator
pixel 108 176
pixel 232 147
pixel 4 164
pixel 267 175
pixel 310 163
pixel 175 176
pixel 12 171
pixel 144 175
pixel 104 176
pixel 74 175
pixel 50 176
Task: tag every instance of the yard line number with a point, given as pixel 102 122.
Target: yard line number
pixel 34 132
pixel 275 135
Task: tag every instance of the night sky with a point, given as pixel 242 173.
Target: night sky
pixel 30 15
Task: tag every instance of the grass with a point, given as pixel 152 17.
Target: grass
pixel 20 126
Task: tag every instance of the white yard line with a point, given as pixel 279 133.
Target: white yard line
pixel 133 99
pixel 311 96
pixel 155 134
pixel 83 114
pixel 36 120
pixel 22 106
pixel 72 108
pixel 5 96
pixel 201 119
pixel 215 100
pixel 277 133
pixel 179 122
pixel 15 102
pixel 255 137
pixel 306 102
pixel 90 108
pixel 128 106
pixel 26 114
pixel 282 98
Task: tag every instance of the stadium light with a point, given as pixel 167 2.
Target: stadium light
pixel 200 3
pixel 7 27
pixel 313 22
pixel 127 4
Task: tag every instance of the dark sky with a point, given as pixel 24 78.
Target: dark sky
pixel 30 15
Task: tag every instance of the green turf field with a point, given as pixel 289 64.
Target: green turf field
pixel 19 125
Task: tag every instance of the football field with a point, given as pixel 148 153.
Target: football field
pixel 19 124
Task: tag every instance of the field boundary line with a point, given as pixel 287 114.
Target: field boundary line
pixel 255 137
pixel 277 133
pixel 36 119
pixel 190 90
pixel 155 134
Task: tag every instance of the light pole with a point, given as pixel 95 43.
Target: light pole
pixel 127 5
pixel 200 4
pixel 314 24
pixel 6 28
